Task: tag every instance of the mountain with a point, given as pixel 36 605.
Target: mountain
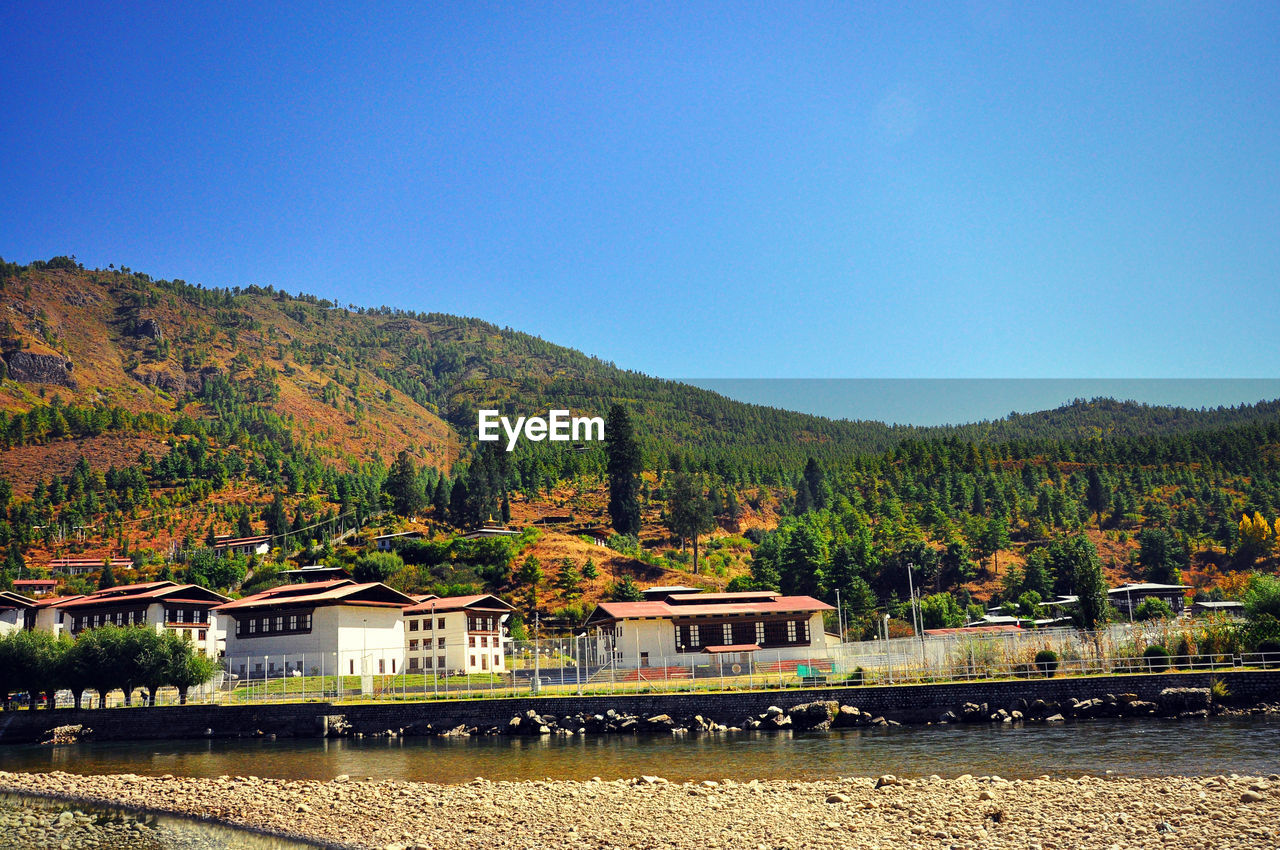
pixel 146 416
pixel 369 382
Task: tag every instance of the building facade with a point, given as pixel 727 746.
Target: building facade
pixel 456 634
pixel 185 609
pixel 683 628
pixel 318 628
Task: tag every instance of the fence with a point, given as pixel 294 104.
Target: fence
pixel 591 665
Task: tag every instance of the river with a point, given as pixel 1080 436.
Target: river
pixel 1146 747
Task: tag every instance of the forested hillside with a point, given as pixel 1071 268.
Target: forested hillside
pixel 145 417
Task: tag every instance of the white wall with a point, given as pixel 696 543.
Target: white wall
pixel 658 638
pixel 11 621
pixel 457 650
pixel 350 637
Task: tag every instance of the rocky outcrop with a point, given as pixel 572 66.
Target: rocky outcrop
pixel 150 329
pixel 39 368
pixel 174 384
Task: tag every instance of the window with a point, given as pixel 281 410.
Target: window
pixel 429 661
pixel 413 664
pixel 440 661
pixel 182 616
pixel 413 625
pixel 306 622
pixel 253 626
pixel 471 641
pixel 413 645
pixel 760 633
pixel 204 635
pixel 131 618
pixel 239 628
pixel 382 666
pixel 695 636
pixel 351 666
pixel 497 662
pixel 440 623
pixel 439 643
pixel 484 662
pixel 473 661
pixel 791 631
pixel 279 622
pixel 484 641
pixel 293 622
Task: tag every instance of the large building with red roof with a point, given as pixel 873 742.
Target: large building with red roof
pixel 456 634
pixel 186 609
pixel 683 627
pixel 317 628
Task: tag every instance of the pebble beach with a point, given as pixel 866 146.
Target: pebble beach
pixel 885 812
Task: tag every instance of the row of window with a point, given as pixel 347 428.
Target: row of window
pixel 277 624
pixel 426 662
pixel 474 624
pixel 762 633
pixel 198 616
pixel 426 644
pixel 119 618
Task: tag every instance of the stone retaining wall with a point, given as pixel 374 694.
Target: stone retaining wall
pixel 904 703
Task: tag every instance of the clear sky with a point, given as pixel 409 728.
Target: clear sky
pixel 969 189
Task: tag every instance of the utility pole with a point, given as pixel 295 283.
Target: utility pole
pixel 919 624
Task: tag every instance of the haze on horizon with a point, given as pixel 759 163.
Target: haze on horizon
pixel 807 191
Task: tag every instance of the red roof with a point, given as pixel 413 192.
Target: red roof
pixel 56 601
pixel 152 591
pixel 336 592
pixel 972 630
pixel 709 604
pixel 440 604
pixel 220 542
pixel 733 647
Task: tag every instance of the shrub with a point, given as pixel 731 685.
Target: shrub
pixel 1153 608
pixel 856 677
pixel 1047 662
pixel 1157 658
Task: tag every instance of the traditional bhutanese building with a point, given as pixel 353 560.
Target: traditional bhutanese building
pixel 186 609
pixel 456 634
pixel 17 612
pixel 317 628
pixel 682 627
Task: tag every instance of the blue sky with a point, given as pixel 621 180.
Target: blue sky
pixel 692 190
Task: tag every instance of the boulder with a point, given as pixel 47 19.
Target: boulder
pixel 818 714
pixel 149 328
pixel 848 716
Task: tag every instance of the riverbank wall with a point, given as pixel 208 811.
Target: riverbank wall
pixel 906 704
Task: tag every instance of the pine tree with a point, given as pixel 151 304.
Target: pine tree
pixel 624 464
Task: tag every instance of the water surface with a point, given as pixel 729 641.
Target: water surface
pixel 1146 747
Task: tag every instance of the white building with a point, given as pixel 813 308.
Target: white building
pixel 16 612
pixel 317 628
pixel 387 542
pixel 683 628
pixel 259 544
pixel 456 634
pixel 185 609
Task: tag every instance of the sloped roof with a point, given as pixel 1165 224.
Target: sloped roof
pixel 152 591
pixel 441 604
pixel 335 592
pixel 706 605
pixel 14 600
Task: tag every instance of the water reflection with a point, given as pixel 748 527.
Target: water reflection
pixel 1133 747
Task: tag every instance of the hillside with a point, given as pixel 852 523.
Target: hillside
pixel 146 416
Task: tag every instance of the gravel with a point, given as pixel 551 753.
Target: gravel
pixel 901 813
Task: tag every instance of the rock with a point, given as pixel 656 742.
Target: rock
pixel 1252 797
pixel 39 368
pixel 817 715
pixel 887 780
pixel 60 735
pixel 848 716
pixel 985 794
pixel 1178 700
pixel 838 798
pixel 149 328
pixel 1054 718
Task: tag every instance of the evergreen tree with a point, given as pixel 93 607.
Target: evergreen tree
pixel 688 511
pixel 1089 583
pixel 108 577
pixel 624 464
pixel 403 486
pixel 275 517
pixel 1097 494
pixel 244 525
pixel 1161 556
